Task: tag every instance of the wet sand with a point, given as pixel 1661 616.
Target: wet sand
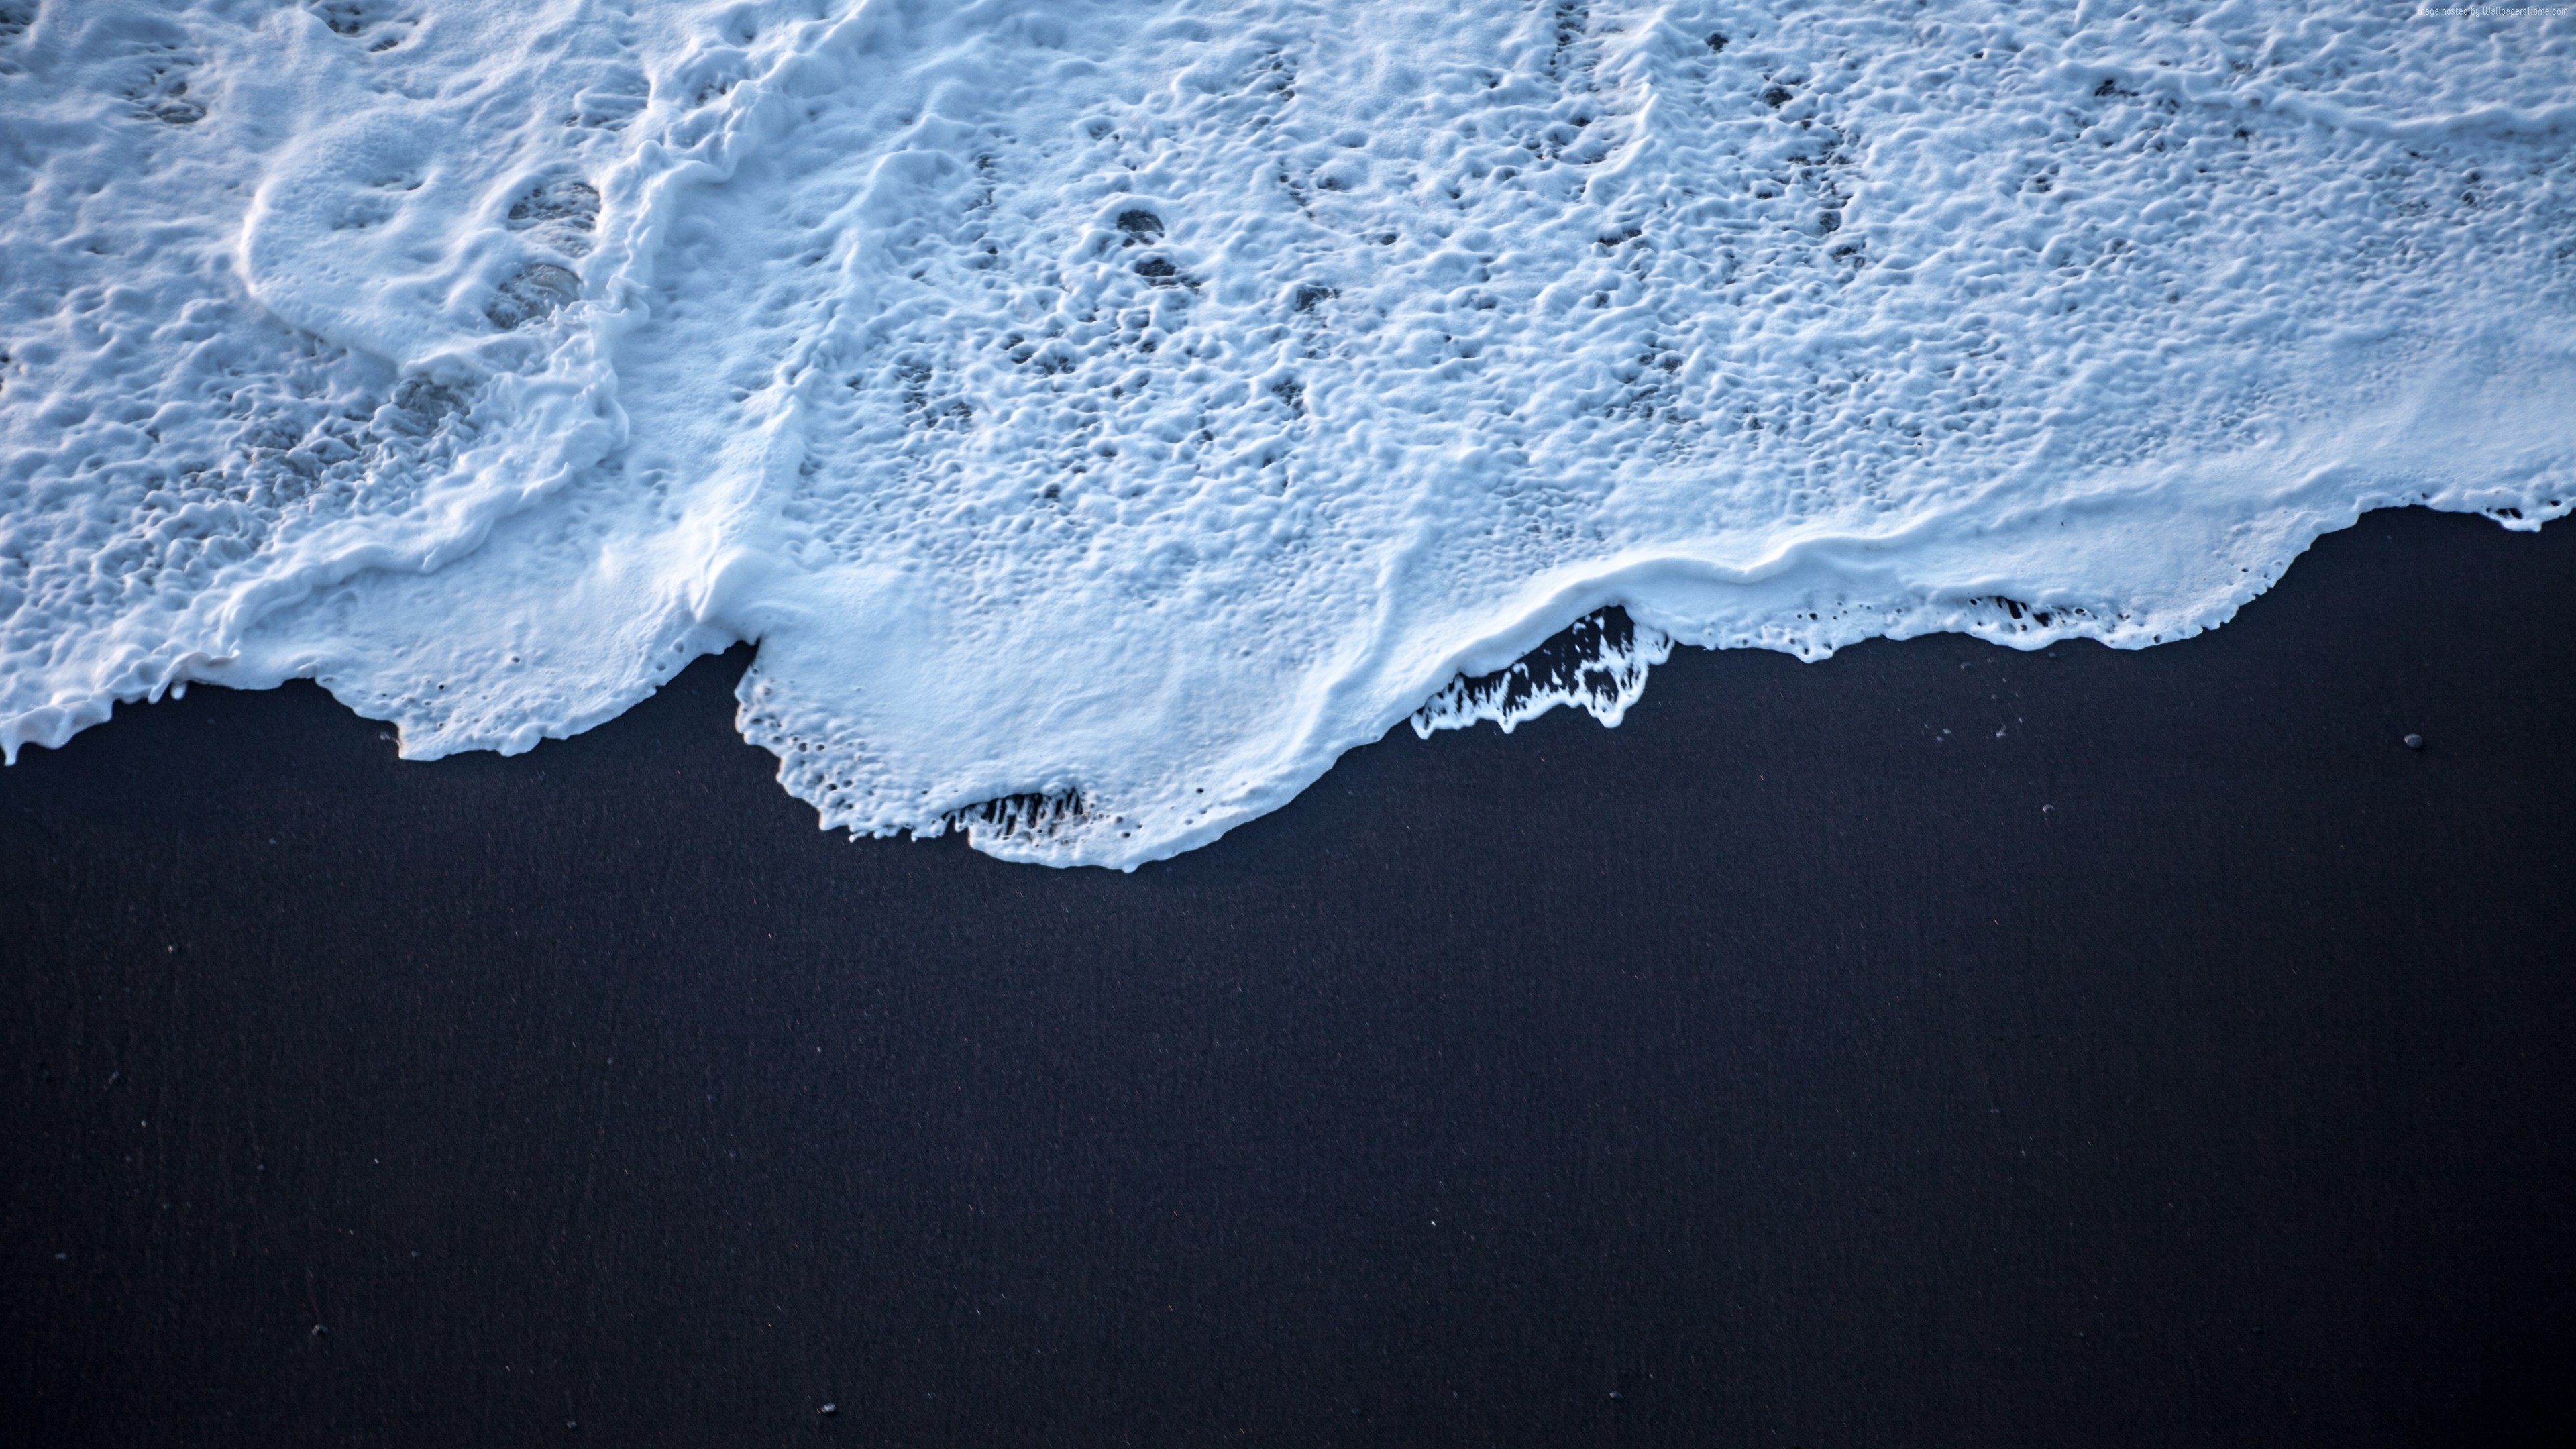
pixel 1938 1044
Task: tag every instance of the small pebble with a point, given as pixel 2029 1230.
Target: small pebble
pixel 2414 742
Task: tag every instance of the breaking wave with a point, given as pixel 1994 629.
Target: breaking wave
pixel 1105 414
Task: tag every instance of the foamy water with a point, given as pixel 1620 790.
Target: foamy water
pixel 1104 415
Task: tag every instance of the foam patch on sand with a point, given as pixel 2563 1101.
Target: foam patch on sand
pixel 1104 415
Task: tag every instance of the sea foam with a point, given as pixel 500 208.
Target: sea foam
pixel 1105 414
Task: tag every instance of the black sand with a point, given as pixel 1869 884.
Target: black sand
pixel 2189 1062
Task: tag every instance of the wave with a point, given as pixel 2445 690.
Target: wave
pixel 1103 415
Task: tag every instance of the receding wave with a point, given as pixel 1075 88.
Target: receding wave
pixel 1104 415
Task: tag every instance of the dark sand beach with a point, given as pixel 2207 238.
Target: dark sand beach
pixel 1940 1044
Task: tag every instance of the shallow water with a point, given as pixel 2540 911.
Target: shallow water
pixel 1105 415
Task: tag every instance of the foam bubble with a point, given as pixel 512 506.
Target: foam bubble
pixel 1103 418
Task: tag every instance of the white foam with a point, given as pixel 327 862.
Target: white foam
pixel 1103 415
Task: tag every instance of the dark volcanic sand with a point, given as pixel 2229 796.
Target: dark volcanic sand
pixel 1768 1070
